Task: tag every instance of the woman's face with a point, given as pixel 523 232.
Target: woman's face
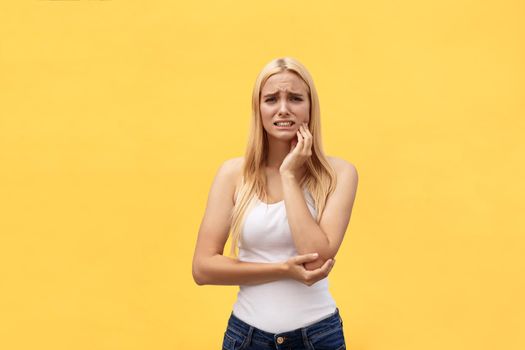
pixel 284 97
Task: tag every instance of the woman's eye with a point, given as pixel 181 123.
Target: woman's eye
pixel 273 98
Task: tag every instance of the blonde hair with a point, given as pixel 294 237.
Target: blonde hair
pixel 319 179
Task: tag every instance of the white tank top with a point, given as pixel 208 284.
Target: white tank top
pixel 285 304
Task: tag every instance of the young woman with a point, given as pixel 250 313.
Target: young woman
pixel 284 201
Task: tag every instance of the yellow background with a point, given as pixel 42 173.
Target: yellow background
pixel 115 115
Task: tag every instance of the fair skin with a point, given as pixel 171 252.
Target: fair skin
pixel 284 96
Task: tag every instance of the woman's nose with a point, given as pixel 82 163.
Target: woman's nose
pixel 283 107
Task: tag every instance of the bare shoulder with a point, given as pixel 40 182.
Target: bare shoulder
pixel 342 167
pixel 233 168
pixel 235 162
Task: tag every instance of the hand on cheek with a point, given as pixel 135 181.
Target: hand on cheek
pixel 300 151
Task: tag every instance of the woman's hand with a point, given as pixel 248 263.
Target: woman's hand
pixel 300 151
pixel 296 270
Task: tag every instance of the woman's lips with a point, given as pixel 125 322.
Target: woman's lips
pixel 284 127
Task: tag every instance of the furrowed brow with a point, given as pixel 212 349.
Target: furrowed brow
pixel 290 93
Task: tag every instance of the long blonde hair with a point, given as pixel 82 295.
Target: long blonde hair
pixel 319 179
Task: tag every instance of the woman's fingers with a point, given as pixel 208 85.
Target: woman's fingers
pixel 300 141
pixel 307 138
pixel 301 259
pixel 293 144
pixel 327 267
pixel 320 273
pixel 309 277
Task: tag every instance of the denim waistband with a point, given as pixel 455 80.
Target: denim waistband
pixel 298 336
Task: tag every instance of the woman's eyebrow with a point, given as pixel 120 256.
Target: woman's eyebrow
pixel 276 92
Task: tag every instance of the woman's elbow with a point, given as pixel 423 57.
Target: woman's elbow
pixel 197 275
pixel 317 263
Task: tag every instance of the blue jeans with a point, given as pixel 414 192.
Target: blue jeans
pixel 326 334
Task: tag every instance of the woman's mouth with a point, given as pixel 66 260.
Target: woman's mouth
pixel 284 125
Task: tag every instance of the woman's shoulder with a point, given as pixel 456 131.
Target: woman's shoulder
pixel 340 164
pixel 234 165
pixel 234 170
pixel 346 174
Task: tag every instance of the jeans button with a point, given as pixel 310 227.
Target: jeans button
pixel 280 340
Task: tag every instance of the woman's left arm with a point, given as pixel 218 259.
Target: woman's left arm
pixel 326 237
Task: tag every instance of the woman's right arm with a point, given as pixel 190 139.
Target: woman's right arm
pixel 211 267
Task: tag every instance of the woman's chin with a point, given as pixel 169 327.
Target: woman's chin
pixel 284 136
